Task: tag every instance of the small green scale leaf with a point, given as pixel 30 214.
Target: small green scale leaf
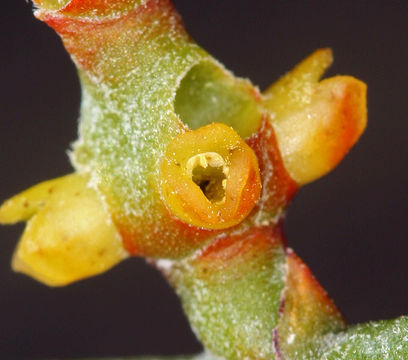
pixel 307 313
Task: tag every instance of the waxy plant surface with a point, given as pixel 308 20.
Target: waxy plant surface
pixel 182 163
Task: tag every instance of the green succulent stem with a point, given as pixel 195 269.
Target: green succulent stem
pixel 144 83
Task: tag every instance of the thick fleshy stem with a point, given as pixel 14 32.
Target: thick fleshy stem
pixel 180 160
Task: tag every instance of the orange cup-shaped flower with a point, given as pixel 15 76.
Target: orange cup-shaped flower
pixel 210 177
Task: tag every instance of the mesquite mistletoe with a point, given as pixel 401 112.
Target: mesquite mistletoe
pixel 182 163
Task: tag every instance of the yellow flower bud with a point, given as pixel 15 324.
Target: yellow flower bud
pixel 69 234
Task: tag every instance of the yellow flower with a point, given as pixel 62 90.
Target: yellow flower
pixel 69 233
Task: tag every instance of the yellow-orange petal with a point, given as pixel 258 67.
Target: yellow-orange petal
pixel 210 177
pixel 24 205
pixel 316 123
pixel 315 139
pixel 69 234
pixel 295 89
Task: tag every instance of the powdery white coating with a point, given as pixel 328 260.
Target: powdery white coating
pixel 382 340
pixel 131 71
pixel 205 355
pixel 233 307
pixel 87 10
pixel 130 77
pixel 165 265
pixel 127 122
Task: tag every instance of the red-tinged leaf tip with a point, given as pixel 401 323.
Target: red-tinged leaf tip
pixel 307 312
pixel 88 8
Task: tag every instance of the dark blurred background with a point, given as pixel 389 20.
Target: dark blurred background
pixel 350 227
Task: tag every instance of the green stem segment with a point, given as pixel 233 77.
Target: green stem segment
pixel 140 72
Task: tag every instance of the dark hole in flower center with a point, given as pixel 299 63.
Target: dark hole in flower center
pixel 212 182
